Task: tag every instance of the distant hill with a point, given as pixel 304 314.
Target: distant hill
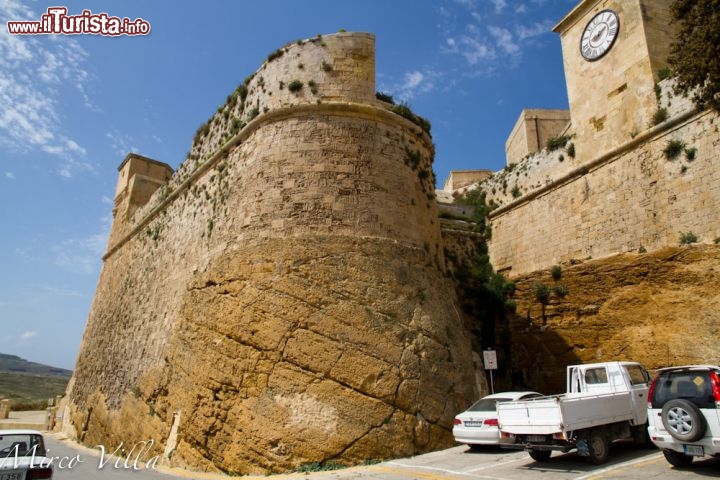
pixel 15 364
pixel 28 384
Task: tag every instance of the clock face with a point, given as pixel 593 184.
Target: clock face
pixel 599 35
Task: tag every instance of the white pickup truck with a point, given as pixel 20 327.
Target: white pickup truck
pixel 604 402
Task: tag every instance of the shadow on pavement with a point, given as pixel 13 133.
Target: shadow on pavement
pixel 487 449
pixel 571 462
pixel 706 466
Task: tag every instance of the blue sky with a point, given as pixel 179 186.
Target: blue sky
pixel 72 107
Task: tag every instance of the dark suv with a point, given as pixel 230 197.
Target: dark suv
pixel 684 412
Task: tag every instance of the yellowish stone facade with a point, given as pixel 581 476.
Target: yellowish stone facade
pixel 612 99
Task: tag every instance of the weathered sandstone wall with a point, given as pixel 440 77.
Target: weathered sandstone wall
pixel 282 300
pixel 659 308
pixel 630 199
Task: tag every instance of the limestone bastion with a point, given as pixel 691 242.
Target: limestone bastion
pixel 281 298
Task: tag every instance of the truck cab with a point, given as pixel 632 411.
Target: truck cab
pixel 611 377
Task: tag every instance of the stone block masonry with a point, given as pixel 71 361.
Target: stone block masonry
pixel 631 199
pixel 281 299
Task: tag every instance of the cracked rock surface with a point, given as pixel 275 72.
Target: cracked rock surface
pixel 293 352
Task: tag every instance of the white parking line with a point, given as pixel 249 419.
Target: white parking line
pixel 495 465
pixel 619 465
pixel 465 473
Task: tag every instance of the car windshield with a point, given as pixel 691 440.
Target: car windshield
pixel 688 385
pixel 21 445
pixel 487 404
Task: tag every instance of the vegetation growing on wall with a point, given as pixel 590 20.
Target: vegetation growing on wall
pixel 404 110
pixel 556 143
pixel 673 149
pixel 384 97
pixel 295 86
pixel 694 55
pixel 485 295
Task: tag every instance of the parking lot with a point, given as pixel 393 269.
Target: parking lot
pixel 626 462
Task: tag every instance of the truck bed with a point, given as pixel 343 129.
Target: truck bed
pixel 563 413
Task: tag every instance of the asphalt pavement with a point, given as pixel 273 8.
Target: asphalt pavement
pixel 626 462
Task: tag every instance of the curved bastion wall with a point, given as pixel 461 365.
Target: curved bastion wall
pixel 281 299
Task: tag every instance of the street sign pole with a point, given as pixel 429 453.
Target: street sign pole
pixel 490 361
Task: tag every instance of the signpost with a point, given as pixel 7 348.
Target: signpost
pixel 490 361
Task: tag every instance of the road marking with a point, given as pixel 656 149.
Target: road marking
pixel 455 473
pixel 618 466
pixel 498 464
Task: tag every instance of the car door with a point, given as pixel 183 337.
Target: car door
pixel 638 379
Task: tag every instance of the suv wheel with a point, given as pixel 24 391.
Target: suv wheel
pixel 683 420
pixel 677 459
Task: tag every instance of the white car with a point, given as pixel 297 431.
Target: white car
pixel 22 456
pixel 684 413
pixel 478 425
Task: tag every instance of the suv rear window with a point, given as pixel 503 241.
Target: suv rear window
pixel 689 385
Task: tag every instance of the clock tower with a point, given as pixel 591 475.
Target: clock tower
pixel 612 52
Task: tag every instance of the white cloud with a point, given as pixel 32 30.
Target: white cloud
pixel 504 40
pixel 474 50
pixel 492 36
pixel 121 143
pixel 524 32
pixel 413 79
pixel 10 175
pixel 32 70
pixel 499 5
pixel 26 336
pixel 466 3
pixel 413 83
pixel 83 255
pixel 60 292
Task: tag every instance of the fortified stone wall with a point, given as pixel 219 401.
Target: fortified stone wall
pixel 633 198
pixel 282 299
pixel 531 132
pixel 546 167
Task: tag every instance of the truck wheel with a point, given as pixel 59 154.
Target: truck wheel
pixel 677 459
pixel 599 447
pixel 683 420
pixel 540 455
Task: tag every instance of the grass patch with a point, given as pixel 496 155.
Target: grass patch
pixel 295 86
pixel 660 115
pixel 687 238
pixel 556 143
pixel 404 110
pixel 673 149
pixel 29 391
pixel 384 97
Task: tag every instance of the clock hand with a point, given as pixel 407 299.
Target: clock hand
pixel 599 34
